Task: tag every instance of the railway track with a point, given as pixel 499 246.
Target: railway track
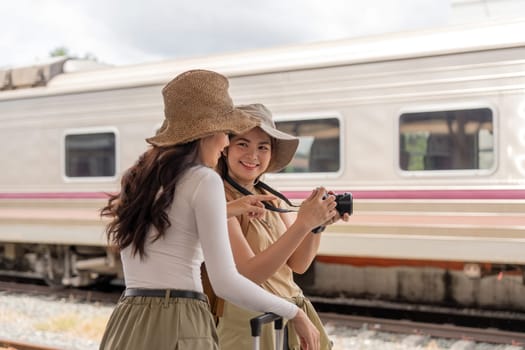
pixel 510 321
pixel 87 295
pixel 343 326
pixel 427 329
pixel 6 344
pixel 331 311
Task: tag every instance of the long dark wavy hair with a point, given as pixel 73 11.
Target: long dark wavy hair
pixel 147 191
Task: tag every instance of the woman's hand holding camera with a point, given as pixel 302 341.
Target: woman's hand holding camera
pixel 345 217
pixel 317 209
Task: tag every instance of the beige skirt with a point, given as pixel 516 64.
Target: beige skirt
pixel 160 323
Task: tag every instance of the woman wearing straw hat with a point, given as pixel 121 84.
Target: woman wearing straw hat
pixel 170 215
pixel 269 249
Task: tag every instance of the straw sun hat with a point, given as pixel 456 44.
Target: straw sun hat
pixel 283 146
pixel 196 105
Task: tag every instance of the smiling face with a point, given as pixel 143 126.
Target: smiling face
pixel 248 156
pixel 210 148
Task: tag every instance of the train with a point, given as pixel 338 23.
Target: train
pixel 426 129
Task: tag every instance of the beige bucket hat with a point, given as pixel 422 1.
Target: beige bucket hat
pixel 196 105
pixel 284 145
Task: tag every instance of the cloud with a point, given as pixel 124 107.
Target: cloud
pixel 124 32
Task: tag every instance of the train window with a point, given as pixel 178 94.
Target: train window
pixel 90 154
pixel 318 150
pixel 446 140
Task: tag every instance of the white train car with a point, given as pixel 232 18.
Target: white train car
pixel 426 129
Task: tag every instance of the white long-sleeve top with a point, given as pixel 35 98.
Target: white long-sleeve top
pixel 198 232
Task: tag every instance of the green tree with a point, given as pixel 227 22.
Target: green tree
pixel 59 51
pixel 64 51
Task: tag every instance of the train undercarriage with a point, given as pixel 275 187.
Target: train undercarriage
pixel 60 265
pixel 451 284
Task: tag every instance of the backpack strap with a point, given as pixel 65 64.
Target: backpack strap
pixel 216 303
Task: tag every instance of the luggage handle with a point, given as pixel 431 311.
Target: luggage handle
pixel 257 322
pixel 256 326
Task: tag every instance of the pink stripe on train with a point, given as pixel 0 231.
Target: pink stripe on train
pixel 54 195
pixel 424 194
pixel 513 194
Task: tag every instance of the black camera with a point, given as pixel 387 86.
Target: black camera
pixel 344 204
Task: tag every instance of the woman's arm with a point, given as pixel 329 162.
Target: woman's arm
pixel 260 267
pixel 210 213
pixel 305 253
pixel 303 256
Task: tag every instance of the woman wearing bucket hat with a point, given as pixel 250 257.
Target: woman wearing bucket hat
pixel 268 250
pixel 170 215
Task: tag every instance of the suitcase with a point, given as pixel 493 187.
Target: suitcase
pixel 256 324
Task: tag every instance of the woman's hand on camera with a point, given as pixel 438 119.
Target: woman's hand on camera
pixel 337 217
pixel 251 205
pixel 305 329
pixel 317 209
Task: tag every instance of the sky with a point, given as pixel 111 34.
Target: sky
pixel 122 32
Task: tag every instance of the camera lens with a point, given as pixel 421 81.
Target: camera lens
pixel 344 203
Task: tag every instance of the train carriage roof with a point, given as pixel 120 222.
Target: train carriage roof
pixel 393 46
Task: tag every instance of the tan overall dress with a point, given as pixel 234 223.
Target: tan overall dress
pixel 233 325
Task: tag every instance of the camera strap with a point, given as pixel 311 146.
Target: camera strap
pixel 267 205
pixel 263 186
